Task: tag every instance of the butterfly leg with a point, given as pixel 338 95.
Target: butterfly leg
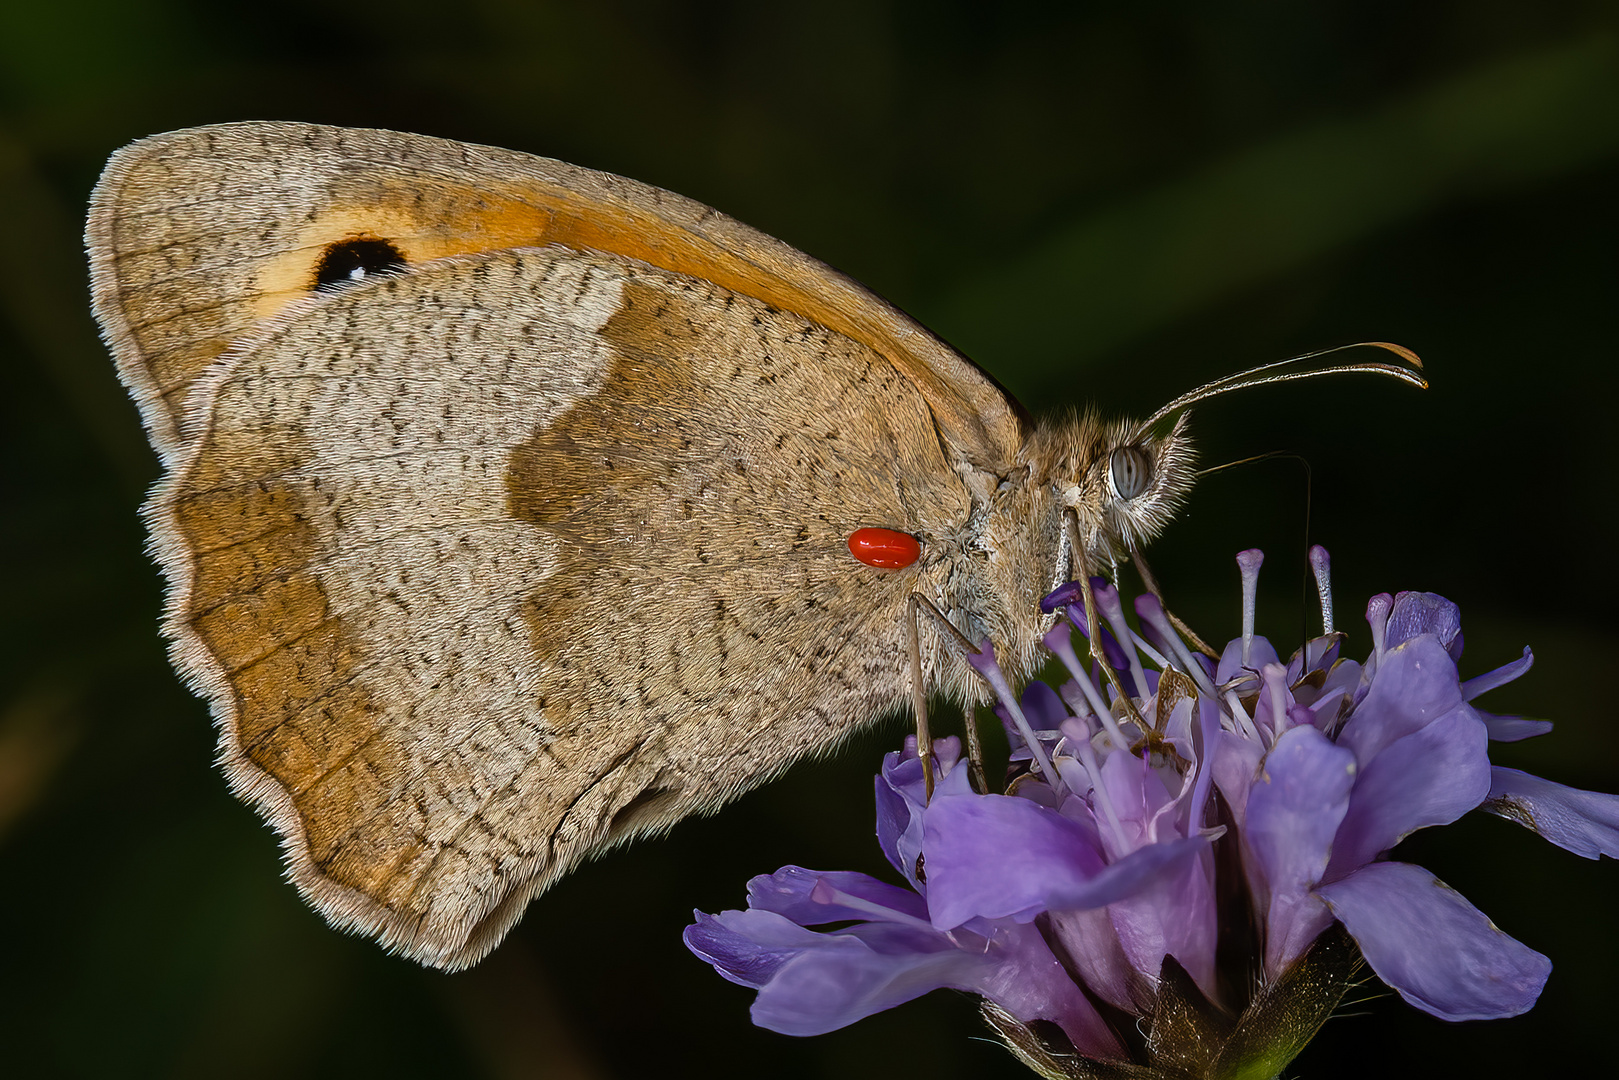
pixel 958 642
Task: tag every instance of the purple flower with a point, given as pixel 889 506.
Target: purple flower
pixel 1241 794
pixel 896 948
pixel 1338 791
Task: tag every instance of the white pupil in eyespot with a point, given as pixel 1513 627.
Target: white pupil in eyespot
pixel 1129 466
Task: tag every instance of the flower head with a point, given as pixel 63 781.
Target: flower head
pixel 1173 873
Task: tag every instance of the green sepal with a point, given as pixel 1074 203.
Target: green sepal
pixel 1285 1015
pixel 1191 1038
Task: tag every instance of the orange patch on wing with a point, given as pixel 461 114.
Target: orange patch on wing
pixel 439 220
pixel 211 520
pixel 423 223
pixel 291 664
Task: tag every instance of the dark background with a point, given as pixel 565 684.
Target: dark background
pixel 1097 202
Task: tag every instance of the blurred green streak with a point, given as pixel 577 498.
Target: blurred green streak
pixel 1121 272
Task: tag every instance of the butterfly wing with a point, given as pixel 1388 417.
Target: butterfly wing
pixel 196 236
pixel 493 561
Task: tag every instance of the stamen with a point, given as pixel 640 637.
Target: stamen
pixel 1248 564
pixel 1107 599
pixel 1111 648
pixel 1321 566
pixel 1159 660
pixel 1087 757
pixel 824 893
pixel 983 661
pixel 1062 646
pixel 1062 596
pixel 1249 728
pixel 1151 612
pixel 1075 725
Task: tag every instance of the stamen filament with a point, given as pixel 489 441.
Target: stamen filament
pixel 1087 757
pixel 1158 659
pixel 1244 721
pixel 1152 612
pixel 1107 598
pixel 1275 676
pixel 1063 646
pixel 983 661
pixel 992 672
pixel 824 893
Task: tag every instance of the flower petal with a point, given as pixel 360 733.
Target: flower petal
pixel 1512 728
pixel 997 856
pixel 1344 678
pixel 1137 794
pixel 845 977
pixel 1480 684
pixel 1260 653
pixel 1038 987
pixel 1317 656
pixel 1418 613
pixel 1172 914
pixel 747 947
pixel 1584 822
pixel 1414 685
pixel 1236 766
pixel 1294 810
pixel 848 975
pixel 901 795
pixel 1431 777
pixel 1091 946
pixel 1440 952
pixel 1204 761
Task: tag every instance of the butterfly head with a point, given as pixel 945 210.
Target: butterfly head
pixel 1122 482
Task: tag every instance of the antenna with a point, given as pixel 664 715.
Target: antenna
pixel 1296 367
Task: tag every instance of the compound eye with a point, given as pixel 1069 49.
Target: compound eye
pixel 1130 469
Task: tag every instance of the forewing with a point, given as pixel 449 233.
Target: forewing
pixel 195 237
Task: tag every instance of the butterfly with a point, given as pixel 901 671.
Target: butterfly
pixel 511 510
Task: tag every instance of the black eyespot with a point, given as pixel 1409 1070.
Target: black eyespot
pixel 355 260
pixel 1131 469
